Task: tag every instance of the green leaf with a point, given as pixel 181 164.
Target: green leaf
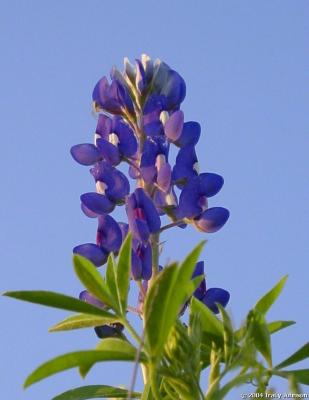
pixel 111 343
pixel 111 278
pixel 123 273
pixel 110 350
pixel 299 355
pixel 300 375
pixel 96 392
pixel 212 327
pixel 147 395
pixel 228 334
pixel 276 326
pixel 83 321
pixel 158 321
pixel 56 300
pixel 92 280
pixel 235 382
pixel 260 334
pixel 167 294
pixel 265 302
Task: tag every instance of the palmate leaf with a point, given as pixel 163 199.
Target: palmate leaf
pixel 57 300
pixel 110 350
pixel 79 321
pixel 96 392
pixel 265 302
pixel 164 300
pixel 92 280
pixel 299 355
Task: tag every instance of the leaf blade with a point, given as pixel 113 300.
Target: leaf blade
pixel 91 278
pixel 96 392
pixel 80 321
pixel 55 300
pixel 111 350
pixel 266 301
pixel 123 272
pixel 299 355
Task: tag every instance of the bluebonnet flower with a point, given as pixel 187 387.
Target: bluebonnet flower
pixel 92 252
pixel 113 98
pixel 186 166
pixel 139 121
pixel 141 260
pixel 193 197
pixel 142 215
pixel 110 182
pixel 212 219
pixel 209 296
pixel 182 133
pixel 116 132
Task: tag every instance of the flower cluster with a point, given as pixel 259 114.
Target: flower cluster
pixel 138 121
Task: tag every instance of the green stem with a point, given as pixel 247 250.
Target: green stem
pixel 171 225
pixel 132 331
pixel 154 241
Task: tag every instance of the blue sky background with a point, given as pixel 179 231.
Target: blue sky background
pixel 246 65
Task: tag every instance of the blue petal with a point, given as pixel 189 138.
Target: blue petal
pixel 216 295
pixel 117 183
pixel 109 236
pixel 108 151
pixel 127 141
pixel 212 219
pixel 174 126
pixel 97 203
pixel 190 134
pixel 104 126
pixel 85 153
pixel 184 167
pixel 90 299
pixel 87 212
pixel 174 90
pixel 151 214
pixel 92 252
pixel 192 197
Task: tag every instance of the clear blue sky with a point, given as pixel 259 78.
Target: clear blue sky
pixel 246 65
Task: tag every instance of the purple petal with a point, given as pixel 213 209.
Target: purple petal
pixel 85 153
pixel 193 198
pixel 151 214
pixel 92 252
pixel 184 167
pixel 108 151
pixel 109 236
pixel 140 80
pixel 97 203
pixel 127 141
pixel 212 219
pixel 164 177
pixel 190 134
pixel 174 90
pixel 216 295
pixel 174 125
pixel 201 289
pixel 104 126
pixel 90 299
pixel 88 212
